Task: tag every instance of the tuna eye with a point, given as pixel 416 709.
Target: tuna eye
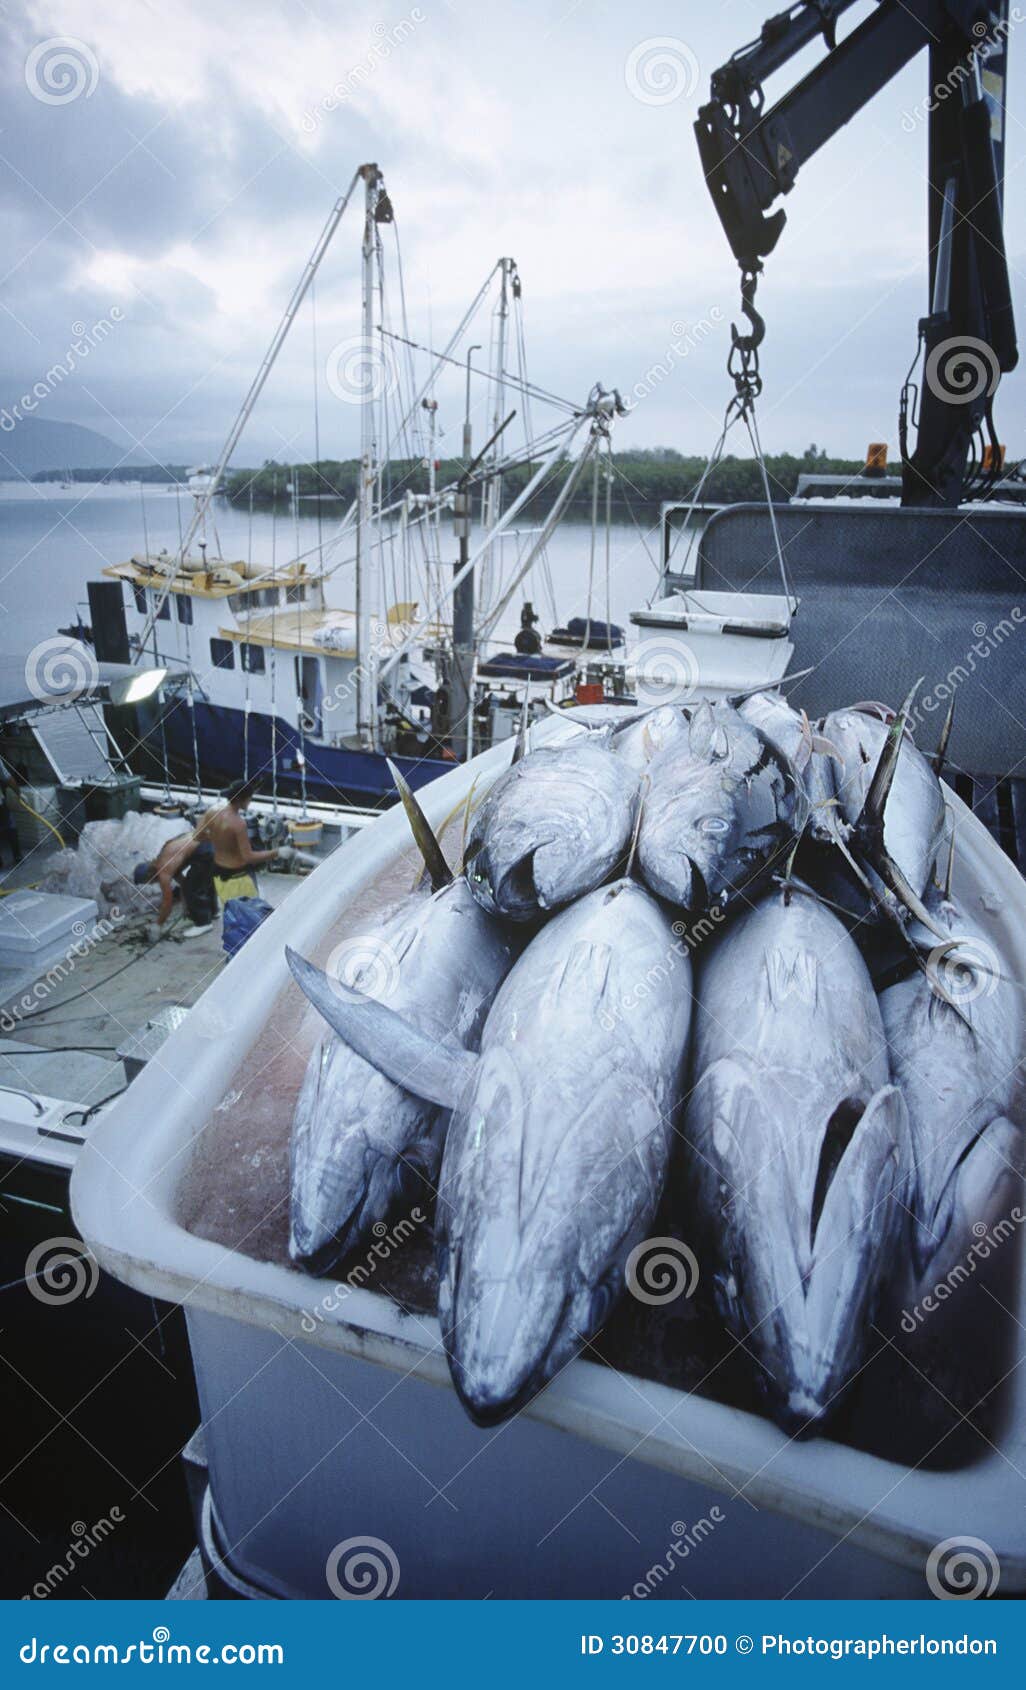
pixel 601 1303
pixel 714 824
pixel 410 1180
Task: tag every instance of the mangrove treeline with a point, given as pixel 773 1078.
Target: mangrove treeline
pixel 640 478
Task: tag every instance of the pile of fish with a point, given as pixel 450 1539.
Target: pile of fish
pixel 698 964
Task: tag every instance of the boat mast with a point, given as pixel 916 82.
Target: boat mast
pixel 376 210
pixel 493 487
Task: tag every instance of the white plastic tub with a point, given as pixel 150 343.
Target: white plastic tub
pixel 319 1430
pixel 716 643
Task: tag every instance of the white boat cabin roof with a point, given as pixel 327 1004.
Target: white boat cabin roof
pixel 211 578
pixel 315 631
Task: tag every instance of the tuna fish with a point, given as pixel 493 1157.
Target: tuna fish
pixel 638 741
pixel 945 1313
pixel 723 805
pixel 959 1063
pixel 360 1143
pixel 554 826
pixel 799 1162
pixel 557 1152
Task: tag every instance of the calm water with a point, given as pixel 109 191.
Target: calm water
pixel 53 541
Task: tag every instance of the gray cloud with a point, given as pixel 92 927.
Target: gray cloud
pixel 189 185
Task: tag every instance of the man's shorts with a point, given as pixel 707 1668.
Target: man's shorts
pixel 234 883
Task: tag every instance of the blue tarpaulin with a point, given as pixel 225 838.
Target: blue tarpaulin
pixel 242 916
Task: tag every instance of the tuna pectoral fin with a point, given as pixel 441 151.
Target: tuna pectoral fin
pixel 400 1051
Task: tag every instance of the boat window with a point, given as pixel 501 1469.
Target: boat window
pixel 310 687
pixel 139 593
pixel 164 613
pixel 183 605
pixel 268 596
pixel 240 601
pixel 295 595
pixel 252 659
pixel 222 654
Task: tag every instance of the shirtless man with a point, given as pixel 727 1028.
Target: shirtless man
pixel 234 856
pixel 185 861
pixel 211 864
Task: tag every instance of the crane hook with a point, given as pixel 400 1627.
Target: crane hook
pixel 748 342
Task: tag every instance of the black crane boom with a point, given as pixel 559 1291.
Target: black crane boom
pixel 751 155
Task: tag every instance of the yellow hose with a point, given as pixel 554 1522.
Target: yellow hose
pixel 27 806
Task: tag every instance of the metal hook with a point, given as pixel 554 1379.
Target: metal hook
pixel 748 342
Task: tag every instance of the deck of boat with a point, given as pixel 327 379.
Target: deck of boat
pixel 67 1048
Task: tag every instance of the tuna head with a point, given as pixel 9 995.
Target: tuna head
pixel 541 1201
pixel 557 1155
pixel 800 1149
pixel 810 1214
pixel 724 804
pixel 553 827
pixel 361 1147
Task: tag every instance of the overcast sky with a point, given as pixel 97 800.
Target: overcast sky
pixel 172 175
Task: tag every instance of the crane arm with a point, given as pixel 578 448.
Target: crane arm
pixel 752 152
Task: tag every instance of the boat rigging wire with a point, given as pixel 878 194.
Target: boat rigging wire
pixel 502 378
pixel 562 500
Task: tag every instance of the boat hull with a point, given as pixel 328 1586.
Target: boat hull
pixel 224 748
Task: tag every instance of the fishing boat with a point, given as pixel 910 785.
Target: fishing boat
pixel 266 677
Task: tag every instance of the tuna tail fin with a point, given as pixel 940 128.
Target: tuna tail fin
pixel 522 745
pixel 468 810
pixel 942 744
pixel 869 829
pixel 646 783
pixel 438 871
pixel 386 1040
pixel 872 813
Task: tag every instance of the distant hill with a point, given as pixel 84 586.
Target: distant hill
pixel 35 444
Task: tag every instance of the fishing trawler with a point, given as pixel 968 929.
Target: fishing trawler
pixel 265 676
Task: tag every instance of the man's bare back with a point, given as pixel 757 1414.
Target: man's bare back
pixel 226 830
